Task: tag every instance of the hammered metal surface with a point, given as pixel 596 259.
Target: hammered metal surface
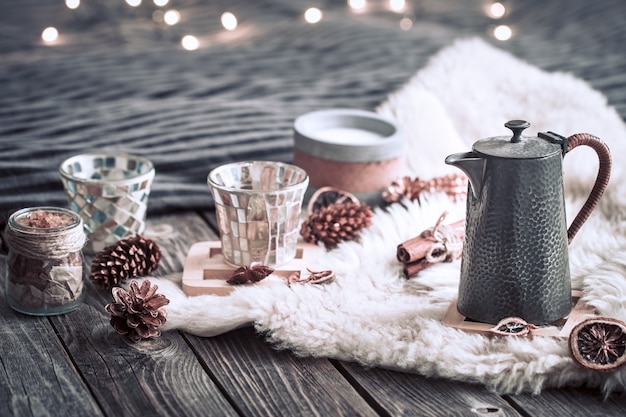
pixel 258 206
pixel 515 256
pixel 110 192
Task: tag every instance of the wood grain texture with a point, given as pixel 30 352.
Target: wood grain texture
pixel 37 376
pixel 573 402
pixel 160 377
pixel 264 382
pixel 261 381
pixel 76 365
pixel 404 394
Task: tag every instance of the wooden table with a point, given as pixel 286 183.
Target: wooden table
pixel 76 365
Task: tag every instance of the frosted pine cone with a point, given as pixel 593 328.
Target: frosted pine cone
pixel 129 258
pixel 136 314
pixel 336 223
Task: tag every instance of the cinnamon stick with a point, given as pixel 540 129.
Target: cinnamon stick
pixel 412 269
pixel 414 249
pixel 419 252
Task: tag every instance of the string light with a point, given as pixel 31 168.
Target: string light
pixel 171 17
pixel 357 4
pixel 229 21
pixel 502 33
pixel 397 5
pixel 496 10
pixel 313 15
pixel 157 16
pixel 50 34
pixel 72 4
pixel 190 42
pixel 406 23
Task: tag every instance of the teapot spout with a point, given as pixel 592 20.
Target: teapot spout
pixel 472 165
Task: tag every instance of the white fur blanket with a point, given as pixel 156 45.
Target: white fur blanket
pixel 371 314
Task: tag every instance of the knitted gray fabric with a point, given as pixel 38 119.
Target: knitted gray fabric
pixel 118 81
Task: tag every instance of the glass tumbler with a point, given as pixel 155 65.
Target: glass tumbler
pixel 110 192
pixel 258 206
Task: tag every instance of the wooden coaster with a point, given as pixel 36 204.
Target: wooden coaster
pixel 205 271
pixel 561 328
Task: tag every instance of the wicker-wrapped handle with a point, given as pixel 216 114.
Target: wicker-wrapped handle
pixel 602 180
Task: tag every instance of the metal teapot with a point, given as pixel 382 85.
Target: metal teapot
pixel 515 254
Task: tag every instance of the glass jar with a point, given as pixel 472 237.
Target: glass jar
pixel 45 273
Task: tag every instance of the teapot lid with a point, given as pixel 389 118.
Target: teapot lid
pixel 517 146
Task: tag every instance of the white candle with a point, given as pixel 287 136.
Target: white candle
pixel 348 136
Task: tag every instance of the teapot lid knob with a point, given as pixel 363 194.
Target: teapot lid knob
pixel 517 126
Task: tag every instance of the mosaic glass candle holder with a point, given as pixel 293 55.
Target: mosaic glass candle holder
pixel 258 205
pixel 110 192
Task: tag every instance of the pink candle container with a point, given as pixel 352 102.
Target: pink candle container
pixel 353 150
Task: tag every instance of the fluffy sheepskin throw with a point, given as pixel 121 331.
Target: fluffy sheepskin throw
pixel 371 314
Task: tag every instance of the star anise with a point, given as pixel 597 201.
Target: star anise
pixel 253 273
pixel 599 343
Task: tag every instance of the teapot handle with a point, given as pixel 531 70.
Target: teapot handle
pixel 602 180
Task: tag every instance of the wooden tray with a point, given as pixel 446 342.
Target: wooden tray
pixel 562 328
pixel 205 271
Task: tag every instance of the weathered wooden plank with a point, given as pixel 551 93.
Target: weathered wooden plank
pixel 574 402
pixel 161 377
pixel 404 394
pixel 262 381
pixel 37 376
pixel 395 393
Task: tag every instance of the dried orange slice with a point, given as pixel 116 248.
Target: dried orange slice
pixel 325 196
pixel 599 343
pixel 513 326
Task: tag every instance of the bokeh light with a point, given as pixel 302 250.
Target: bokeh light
pixel 190 42
pixel 229 21
pixel 357 4
pixel 397 5
pixel 50 34
pixel 171 17
pixel 406 23
pixel 496 10
pixel 313 15
pixel 502 33
pixel 72 4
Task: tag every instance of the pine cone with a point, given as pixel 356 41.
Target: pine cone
pixel 336 223
pixel 129 258
pixel 136 314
